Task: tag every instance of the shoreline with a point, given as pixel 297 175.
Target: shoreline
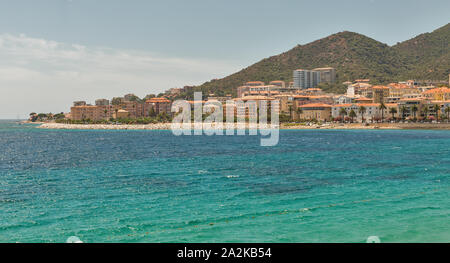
pixel 283 126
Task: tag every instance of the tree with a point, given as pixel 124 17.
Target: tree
pixel 424 111
pixel 152 112
pixel 447 110
pixel 59 116
pixel 352 115
pixel 343 113
pixel 149 96
pixel 393 111
pixel 382 108
pixel 290 111
pixel 116 101
pixel 362 110
pixel 437 108
pixel 299 112
pixel 403 109
pixel 414 110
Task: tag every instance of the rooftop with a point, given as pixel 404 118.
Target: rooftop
pixel 316 105
pixel 156 100
pixel 438 90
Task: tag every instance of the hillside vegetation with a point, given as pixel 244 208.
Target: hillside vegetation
pixel 354 56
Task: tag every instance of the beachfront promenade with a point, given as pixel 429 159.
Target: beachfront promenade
pixel 283 126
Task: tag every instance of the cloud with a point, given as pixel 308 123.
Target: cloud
pixel 46 76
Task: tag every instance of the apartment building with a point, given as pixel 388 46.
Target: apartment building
pixel 86 112
pixel 306 79
pixel 286 103
pixel 300 100
pixel 315 111
pixel 327 75
pixel 265 90
pixel 397 91
pixel 371 113
pixel 342 99
pixel 134 108
pixel 379 93
pixel 440 94
pixel 249 110
pixel 358 89
pixel 159 105
pixel 101 102
pixel 406 106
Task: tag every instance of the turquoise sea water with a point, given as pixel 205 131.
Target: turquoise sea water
pixel 150 186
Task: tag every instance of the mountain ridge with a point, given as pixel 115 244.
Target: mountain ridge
pixel 426 56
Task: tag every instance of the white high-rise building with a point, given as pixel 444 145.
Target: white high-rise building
pixel 306 79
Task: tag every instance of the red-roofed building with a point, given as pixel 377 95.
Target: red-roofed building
pixel 157 106
pixel 442 93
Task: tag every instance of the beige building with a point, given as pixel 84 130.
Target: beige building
pixel 441 94
pixel 134 108
pixel 406 106
pixel 247 111
pixel 121 114
pixel 159 105
pixel 286 103
pixel 315 111
pixel 300 100
pixel 380 93
pixel 86 112
pixel 398 91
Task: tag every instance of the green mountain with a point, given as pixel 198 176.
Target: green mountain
pixel 427 55
pixel 354 56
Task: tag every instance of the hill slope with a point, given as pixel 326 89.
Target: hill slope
pixel 428 55
pixel 354 56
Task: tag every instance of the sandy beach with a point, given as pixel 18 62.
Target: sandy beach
pixel 283 126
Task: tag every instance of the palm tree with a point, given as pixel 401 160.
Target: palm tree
pixel 403 109
pixel 437 108
pixel 343 113
pixel 447 110
pixel 152 112
pixel 352 115
pixel 424 111
pixel 299 112
pixel 382 108
pixel 290 111
pixel 393 111
pixel 362 110
pixel 414 110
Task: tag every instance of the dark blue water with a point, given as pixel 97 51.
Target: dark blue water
pixel 151 186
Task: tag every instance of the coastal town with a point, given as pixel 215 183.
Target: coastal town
pixel 299 101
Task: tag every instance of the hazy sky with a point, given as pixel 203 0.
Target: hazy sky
pixel 53 52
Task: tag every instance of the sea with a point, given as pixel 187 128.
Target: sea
pixel 150 186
